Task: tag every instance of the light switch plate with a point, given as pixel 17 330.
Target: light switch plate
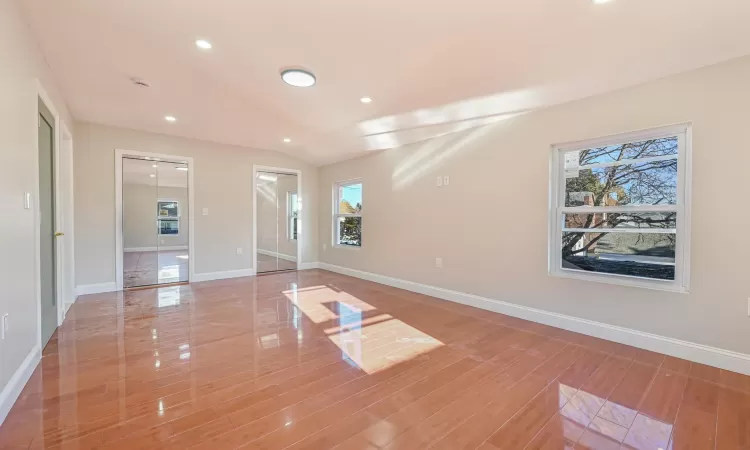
pixel 439 263
pixel 439 181
pixel 446 180
pixel 205 211
pixel 27 200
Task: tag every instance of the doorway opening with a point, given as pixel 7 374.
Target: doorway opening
pixel 277 219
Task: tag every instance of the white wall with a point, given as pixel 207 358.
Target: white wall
pixel 222 183
pixel 21 63
pixel 490 224
pixel 139 228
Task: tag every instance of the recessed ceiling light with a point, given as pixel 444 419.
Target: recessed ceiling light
pixel 204 44
pixel 152 175
pixel 170 118
pixel 365 100
pixel 600 2
pixel 154 166
pixel 287 140
pixel 298 77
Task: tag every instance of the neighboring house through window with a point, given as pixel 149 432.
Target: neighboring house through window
pixel 347 221
pixel 620 209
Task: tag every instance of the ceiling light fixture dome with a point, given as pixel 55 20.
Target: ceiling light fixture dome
pixel 298 77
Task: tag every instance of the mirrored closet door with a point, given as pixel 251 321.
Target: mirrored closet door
pixel 155 222
pixel 277 221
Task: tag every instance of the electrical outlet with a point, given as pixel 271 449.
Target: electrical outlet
pixel 439 263
pixel 446 180
pixel 439 181
pixel 27 200
pixel 239 250
pixel 205 211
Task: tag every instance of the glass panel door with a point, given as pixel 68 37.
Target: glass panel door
pixel 139 237
pixel 171 210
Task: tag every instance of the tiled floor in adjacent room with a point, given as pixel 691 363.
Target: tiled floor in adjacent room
pixel 317 360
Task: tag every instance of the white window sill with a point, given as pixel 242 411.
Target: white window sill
pixel 622 280
pixel 348 247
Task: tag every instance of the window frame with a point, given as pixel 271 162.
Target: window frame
pixel 557 209
pixel 337 215
pixel 177 218
pixel 290 215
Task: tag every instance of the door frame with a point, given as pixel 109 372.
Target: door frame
pixel 300 228
pixel 61 191
pixel 119 155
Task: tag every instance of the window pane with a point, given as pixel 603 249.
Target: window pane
pixel 648 183
pixel 647 255
pixel 349 231
pixel 350 199
pixel 632 150
pixel 167 209
pixel 656 220
pixel 169 226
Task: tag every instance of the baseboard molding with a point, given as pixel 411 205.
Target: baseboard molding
pixel 198 277
pixel 12 390
pixel 308 265
pixel 712 356
pixel 162 248
pixel 85 289
pixel 278 255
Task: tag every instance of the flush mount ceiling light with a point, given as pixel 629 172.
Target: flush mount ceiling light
pixel 170 118
pixel 298 77
pixel 365 100
pixel 203 44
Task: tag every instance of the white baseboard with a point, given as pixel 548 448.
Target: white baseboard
pixel 162 248
pixel 198 277
pixel 308 265
pixel 712 356
pixel 278 255
pixel 12 390
pixel 85 289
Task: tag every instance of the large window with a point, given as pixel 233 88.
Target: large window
pixel 620 209
pixel 347 221
pixel 168 217
pixel 292 215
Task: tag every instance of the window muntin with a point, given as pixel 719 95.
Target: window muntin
pixel 347 223
pixel 619 209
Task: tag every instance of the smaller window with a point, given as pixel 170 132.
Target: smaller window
pixel 292 215
pixel 168 217
pixel 347 220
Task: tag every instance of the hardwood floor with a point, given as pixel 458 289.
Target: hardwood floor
pixel 317 360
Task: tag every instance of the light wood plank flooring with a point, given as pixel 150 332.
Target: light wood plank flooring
pixel 316 360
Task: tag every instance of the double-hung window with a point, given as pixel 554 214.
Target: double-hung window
pixel 168 217
pixel 292 215
pixel 347 219
pixel 620 209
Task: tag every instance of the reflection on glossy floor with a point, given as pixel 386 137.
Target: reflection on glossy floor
pixel 152 267
pixel 316 360
pixel 271 264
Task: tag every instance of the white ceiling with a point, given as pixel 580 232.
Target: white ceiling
pixel 431 66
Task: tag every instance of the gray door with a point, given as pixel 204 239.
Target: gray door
pixel 47 222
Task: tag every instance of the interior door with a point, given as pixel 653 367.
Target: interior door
pixel 47 234
pixel 277 221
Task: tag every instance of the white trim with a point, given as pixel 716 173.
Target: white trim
pixel 15 385
pixel 336 214
pixel 86 289
pixel 621 230
pixel 224 275
pixel 308 266
pixel 67 221
pixel 300 204
pixel 278 255
pixel 557 208
pixel 119 154
pixel 625 162
pixel 716 357
pixel 156 249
